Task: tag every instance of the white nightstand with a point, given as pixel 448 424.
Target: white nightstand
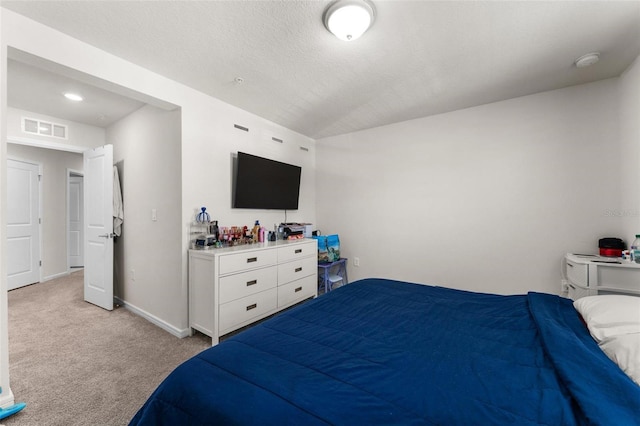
pixel 590 275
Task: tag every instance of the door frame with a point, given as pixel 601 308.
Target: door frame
pixel 71 172
pixel 40 211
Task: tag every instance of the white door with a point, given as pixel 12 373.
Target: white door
pixel 75 226
pixel 23 224
pixel 98 228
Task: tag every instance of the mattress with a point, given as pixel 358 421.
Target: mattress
pixel 387 352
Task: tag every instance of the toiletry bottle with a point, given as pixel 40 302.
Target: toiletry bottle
pixel 255 231
pixel 634 251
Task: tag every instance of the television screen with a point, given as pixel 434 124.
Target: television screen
pixel 261 183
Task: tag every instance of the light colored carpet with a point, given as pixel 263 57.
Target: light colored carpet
pixel 76 364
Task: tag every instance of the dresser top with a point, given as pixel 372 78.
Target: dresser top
pixel 586 259
pixel 254 246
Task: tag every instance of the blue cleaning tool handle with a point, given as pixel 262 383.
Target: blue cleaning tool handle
pixel 6 412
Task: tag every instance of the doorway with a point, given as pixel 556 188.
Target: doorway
pixel 75 219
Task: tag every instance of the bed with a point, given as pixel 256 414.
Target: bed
pixel 387 352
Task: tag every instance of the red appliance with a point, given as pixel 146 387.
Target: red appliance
pixel 611 247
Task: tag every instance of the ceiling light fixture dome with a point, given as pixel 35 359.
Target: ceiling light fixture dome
pixel 588 59
pixel 73 97
pixel 349 19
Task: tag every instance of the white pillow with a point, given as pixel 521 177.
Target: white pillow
pixel 624 350
pixel 610 315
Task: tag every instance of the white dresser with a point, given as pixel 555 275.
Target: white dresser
pixel 590 275
pixel 232 287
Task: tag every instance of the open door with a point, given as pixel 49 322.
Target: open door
pixel 23 224
pixel 98 227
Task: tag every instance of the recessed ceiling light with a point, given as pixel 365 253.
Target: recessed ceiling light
pixel 588 59
pixel 73 97
pixel 349 19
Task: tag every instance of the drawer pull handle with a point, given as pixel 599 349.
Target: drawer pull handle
pixel 298 269
pixel 252 259
pixel 250 307
pixel 252 282
pixel 298 289
pixel 569 265
pixel 298 251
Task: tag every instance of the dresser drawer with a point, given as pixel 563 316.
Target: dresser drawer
pixel 237 313
pixel 297 251
pixel 297 291
pixel 297 269
pixel 243 284
pixel 578 273
pixel 247 260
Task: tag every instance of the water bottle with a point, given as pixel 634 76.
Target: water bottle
pixel 635 249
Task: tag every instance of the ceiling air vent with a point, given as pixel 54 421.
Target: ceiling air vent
pixel 44 128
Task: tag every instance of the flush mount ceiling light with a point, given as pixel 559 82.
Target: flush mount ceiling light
pixel 349 19
pixel 73 97
pixel 588 59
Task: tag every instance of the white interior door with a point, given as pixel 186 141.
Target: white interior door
pixel 98 228
pixel 76 223
pixel 23 224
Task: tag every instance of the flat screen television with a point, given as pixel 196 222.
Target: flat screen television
pixel 261 183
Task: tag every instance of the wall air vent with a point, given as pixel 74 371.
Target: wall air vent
pixel 44 128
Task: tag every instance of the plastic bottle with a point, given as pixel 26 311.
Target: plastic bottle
pixel 255 232
pixel 635 249
pixel 261 234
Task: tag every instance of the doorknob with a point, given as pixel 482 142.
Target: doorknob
pixel 109 235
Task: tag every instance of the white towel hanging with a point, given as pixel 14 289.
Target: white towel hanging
pixel 118 208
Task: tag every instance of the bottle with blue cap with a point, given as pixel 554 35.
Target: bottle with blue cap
pixel 634 251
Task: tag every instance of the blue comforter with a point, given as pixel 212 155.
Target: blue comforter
pixel 387 352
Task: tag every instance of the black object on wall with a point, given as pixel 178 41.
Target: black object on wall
pixel 261 183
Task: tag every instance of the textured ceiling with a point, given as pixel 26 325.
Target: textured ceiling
pixel 419 58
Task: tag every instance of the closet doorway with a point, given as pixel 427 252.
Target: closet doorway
pixel 75 219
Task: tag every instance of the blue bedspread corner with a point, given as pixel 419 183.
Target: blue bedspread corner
pixel 604 394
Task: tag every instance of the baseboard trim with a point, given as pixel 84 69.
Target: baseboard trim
pixel 152 319
pixel 54 276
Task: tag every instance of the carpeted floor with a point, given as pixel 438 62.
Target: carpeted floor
pixel 76 364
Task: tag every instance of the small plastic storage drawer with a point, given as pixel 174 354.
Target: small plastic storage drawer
pixel 578 273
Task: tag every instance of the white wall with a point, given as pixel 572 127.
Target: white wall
pixel 54 203
pixel 80 136
pixel 487 198
pixel 148 255
pixel 628 212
